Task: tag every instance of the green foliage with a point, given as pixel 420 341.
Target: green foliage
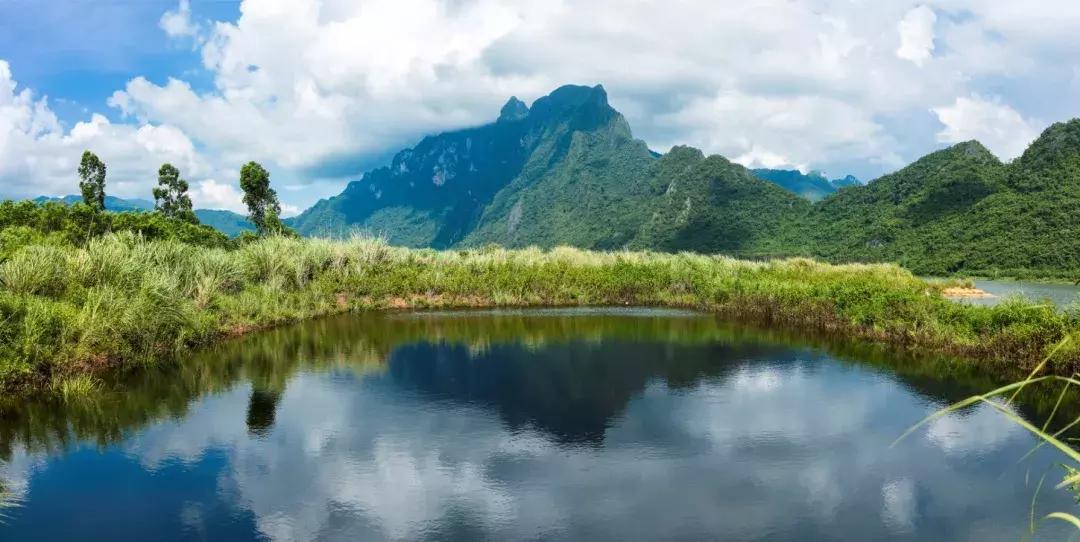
pixel 92 180
pixel 960 210
pixel 24 223
pixel 262 201
pixel 170 195
pixel 712 205
pixel 121 300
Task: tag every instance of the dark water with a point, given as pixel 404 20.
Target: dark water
pixel 587 425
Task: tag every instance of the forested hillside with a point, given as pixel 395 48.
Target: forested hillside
pixel 962 210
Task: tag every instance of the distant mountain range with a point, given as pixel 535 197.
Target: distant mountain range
pixel 568 171
pixel 227 222
pixel 812 186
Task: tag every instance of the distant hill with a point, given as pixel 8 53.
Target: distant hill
pixel 227 222
pixel 812 186
pixel 112 203
pixel 962 210
pixel 709 204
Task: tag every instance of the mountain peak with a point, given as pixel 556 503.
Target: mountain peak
pixel 569 98
pixel 1060 137
pixel 514 109
pixel 973 148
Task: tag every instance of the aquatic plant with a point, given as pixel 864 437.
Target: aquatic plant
pixel 123 300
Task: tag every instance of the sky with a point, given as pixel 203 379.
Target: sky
pixel 319 91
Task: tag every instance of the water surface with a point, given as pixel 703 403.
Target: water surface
pixel 1061 295
pixel 555 425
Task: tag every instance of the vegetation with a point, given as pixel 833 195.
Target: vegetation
pixel 171 196
pixel 24 223
pixel 262 201
pixel 122 300
pixel 92 180
pixel 227 222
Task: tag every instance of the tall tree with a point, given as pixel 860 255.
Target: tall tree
pixel 264 209
pixel 170 196
pixel 92 180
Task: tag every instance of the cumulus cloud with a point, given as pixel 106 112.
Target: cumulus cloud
pixel 305 86
pixel 39 157
pixel 1001 128
pixel 210 194
pixel 917 35
pixel 177 23
pixel 760 131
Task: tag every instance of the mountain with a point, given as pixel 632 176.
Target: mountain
pixel 709 204
pixel 433 193
pixel 583 183
pixel 227 222
pixel 112 203
pixel 812 186
pixel 846 181
pixel 486 184
pixel 566 170
pixel 912 215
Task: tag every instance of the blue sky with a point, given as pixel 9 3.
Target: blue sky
pixel 80 52
pixel 320 90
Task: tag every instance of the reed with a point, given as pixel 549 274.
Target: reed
pixel 123 301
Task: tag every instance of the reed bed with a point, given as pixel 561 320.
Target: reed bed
pixel 69 313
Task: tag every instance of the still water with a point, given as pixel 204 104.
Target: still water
pixel 553 425
pixel 1061 295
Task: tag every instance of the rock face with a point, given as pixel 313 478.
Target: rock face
pixel 566 171
pixel 457 185
pixel 435 193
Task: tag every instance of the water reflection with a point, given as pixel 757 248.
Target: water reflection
pixel 626 426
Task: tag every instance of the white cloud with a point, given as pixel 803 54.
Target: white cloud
pixel 759 131
pixel 917 35
pixel 210 194
pixel 1001 128
pixel 177 23
pixel 39 157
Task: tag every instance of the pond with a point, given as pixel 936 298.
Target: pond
pixel 1061 295
pixel 602 424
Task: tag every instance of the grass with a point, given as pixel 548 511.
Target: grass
pixel 69 313
pixel 1002 398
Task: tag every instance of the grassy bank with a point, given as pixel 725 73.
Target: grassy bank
pixel 121 301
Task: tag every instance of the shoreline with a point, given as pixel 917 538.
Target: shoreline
pixel 122 302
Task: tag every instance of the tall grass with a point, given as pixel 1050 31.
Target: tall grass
pixel 122 301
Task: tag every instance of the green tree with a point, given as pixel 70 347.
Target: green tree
pixel 170 195
pixel 264 209
pixel 92 180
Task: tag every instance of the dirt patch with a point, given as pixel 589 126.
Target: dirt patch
pixel 966 293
